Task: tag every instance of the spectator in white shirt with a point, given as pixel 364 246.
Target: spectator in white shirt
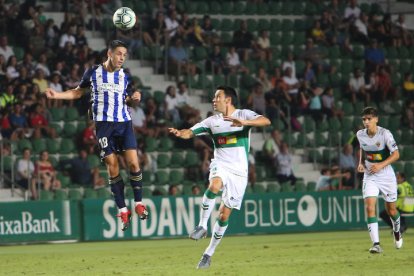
pixel 290 62
pixel 291 81
pixel 356 87
pixel 69 36
pixel 5 49
pixel 352 12
pixel 171 105
pixel 172 24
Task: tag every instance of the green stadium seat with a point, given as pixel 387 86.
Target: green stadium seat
pixel 334 124
pixel 227 25
pixel 176 177
pixel 146 192
pixel 303 140
pixel 273 187
pixel 141 7
pixel 159 97
pixel 61 195
pixel 288 8
pixel 23 144
pixel 329 155
pixel 160 191
pixel 191 159
pixel 46 195
pixel 259 188
pixel 287 25
pixel 287 187
pixel 311 186
pixel 18 52
pixel 226 8
pixel 398 166
pixel 161 177
pixel 320 139
pixel 309 124
pixel 263 24
pixel 165 144
pixel 239 9
pixel 275 7
pixel 39 145
pixel 409 169
pixel 348 108
pixel 177 160
pixel 57 126
pixel 151 144
pixel 300 186
pixel 94 161
pixel 81 125
pixel 347 123
pixel 252 25
pixel 226 37
pixel 103 193
pixel 69 130
pixel 215 7
pixel 64 180
pixel 53 145
pixel 408 152
pixel 407 137
pixel 314 156
pixel 71 114
pixel 67 146
pixel 202 8
pixel 58 114
pixel 90 193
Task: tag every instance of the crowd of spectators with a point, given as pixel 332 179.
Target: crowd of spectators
pixel 35 53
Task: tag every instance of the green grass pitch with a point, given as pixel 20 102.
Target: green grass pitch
pixel 333 253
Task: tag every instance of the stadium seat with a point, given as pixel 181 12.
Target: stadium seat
pixel 215 7
pixel 61 195
pixel 275 7
pixel 146 192
pixel 159 97
pixel 64 180
pixel 57 126
pixel 309 124
pixel 151 144
pixel 176 177
pixel 53 145
pixel 319 139
pixel 45 195
pixel 69 130
pixel 300 186
pixel 260 173
pixel 165 144
pixel 94 161
pixel 161 177
pixel 191 159
pixel 226 8
pixel 71 114
pixel 287 187
pixel 159 191
pixel 407 137
pixel 67 146
pixel 177 160
pixel 103 193
pixel 81 125
pixel 311 186
pixel 239 9
pixel 347 123
pixel 57 113
pixel 273 187
pixel 90 193
pixel 303 140
pixel 398 166
pixel 409 169
pixel 259 188
pixel 227 25
pixel 39 145
pixel 314 156
pixel 163 160
pixel 24 143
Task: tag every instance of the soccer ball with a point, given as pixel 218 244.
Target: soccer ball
pixel 124 18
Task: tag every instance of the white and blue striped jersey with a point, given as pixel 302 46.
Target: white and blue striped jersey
pixel 108 93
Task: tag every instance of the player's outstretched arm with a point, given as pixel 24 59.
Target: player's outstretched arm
pixel 183 133
pixel 257 122
pixel 71 94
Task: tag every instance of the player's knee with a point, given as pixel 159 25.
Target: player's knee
pixel 223 217
pixel 133 167
pixel 370 209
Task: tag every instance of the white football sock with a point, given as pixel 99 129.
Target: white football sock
pixel 217 235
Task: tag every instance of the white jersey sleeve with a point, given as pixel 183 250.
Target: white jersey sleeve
pixel 390 141
pixel 202 128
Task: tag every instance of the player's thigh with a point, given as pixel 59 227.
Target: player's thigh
pixel 131 157
pixel 112 166
pixel 128 141
pixel 234 187
pixel 388 188
pixel 105 137
pixel 370 187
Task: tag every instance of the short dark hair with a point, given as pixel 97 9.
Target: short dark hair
pixel 369 110
pixel 116 43
pixel 230 92
pixel 402 175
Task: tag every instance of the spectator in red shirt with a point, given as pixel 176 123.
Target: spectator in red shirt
pixel 40 124
pixel 385 89
pixel 89 138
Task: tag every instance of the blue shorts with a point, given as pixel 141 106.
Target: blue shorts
pixel 114 137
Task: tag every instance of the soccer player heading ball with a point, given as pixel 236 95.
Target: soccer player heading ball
pixel 380 150
pixel 230 131
pixel 111 88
